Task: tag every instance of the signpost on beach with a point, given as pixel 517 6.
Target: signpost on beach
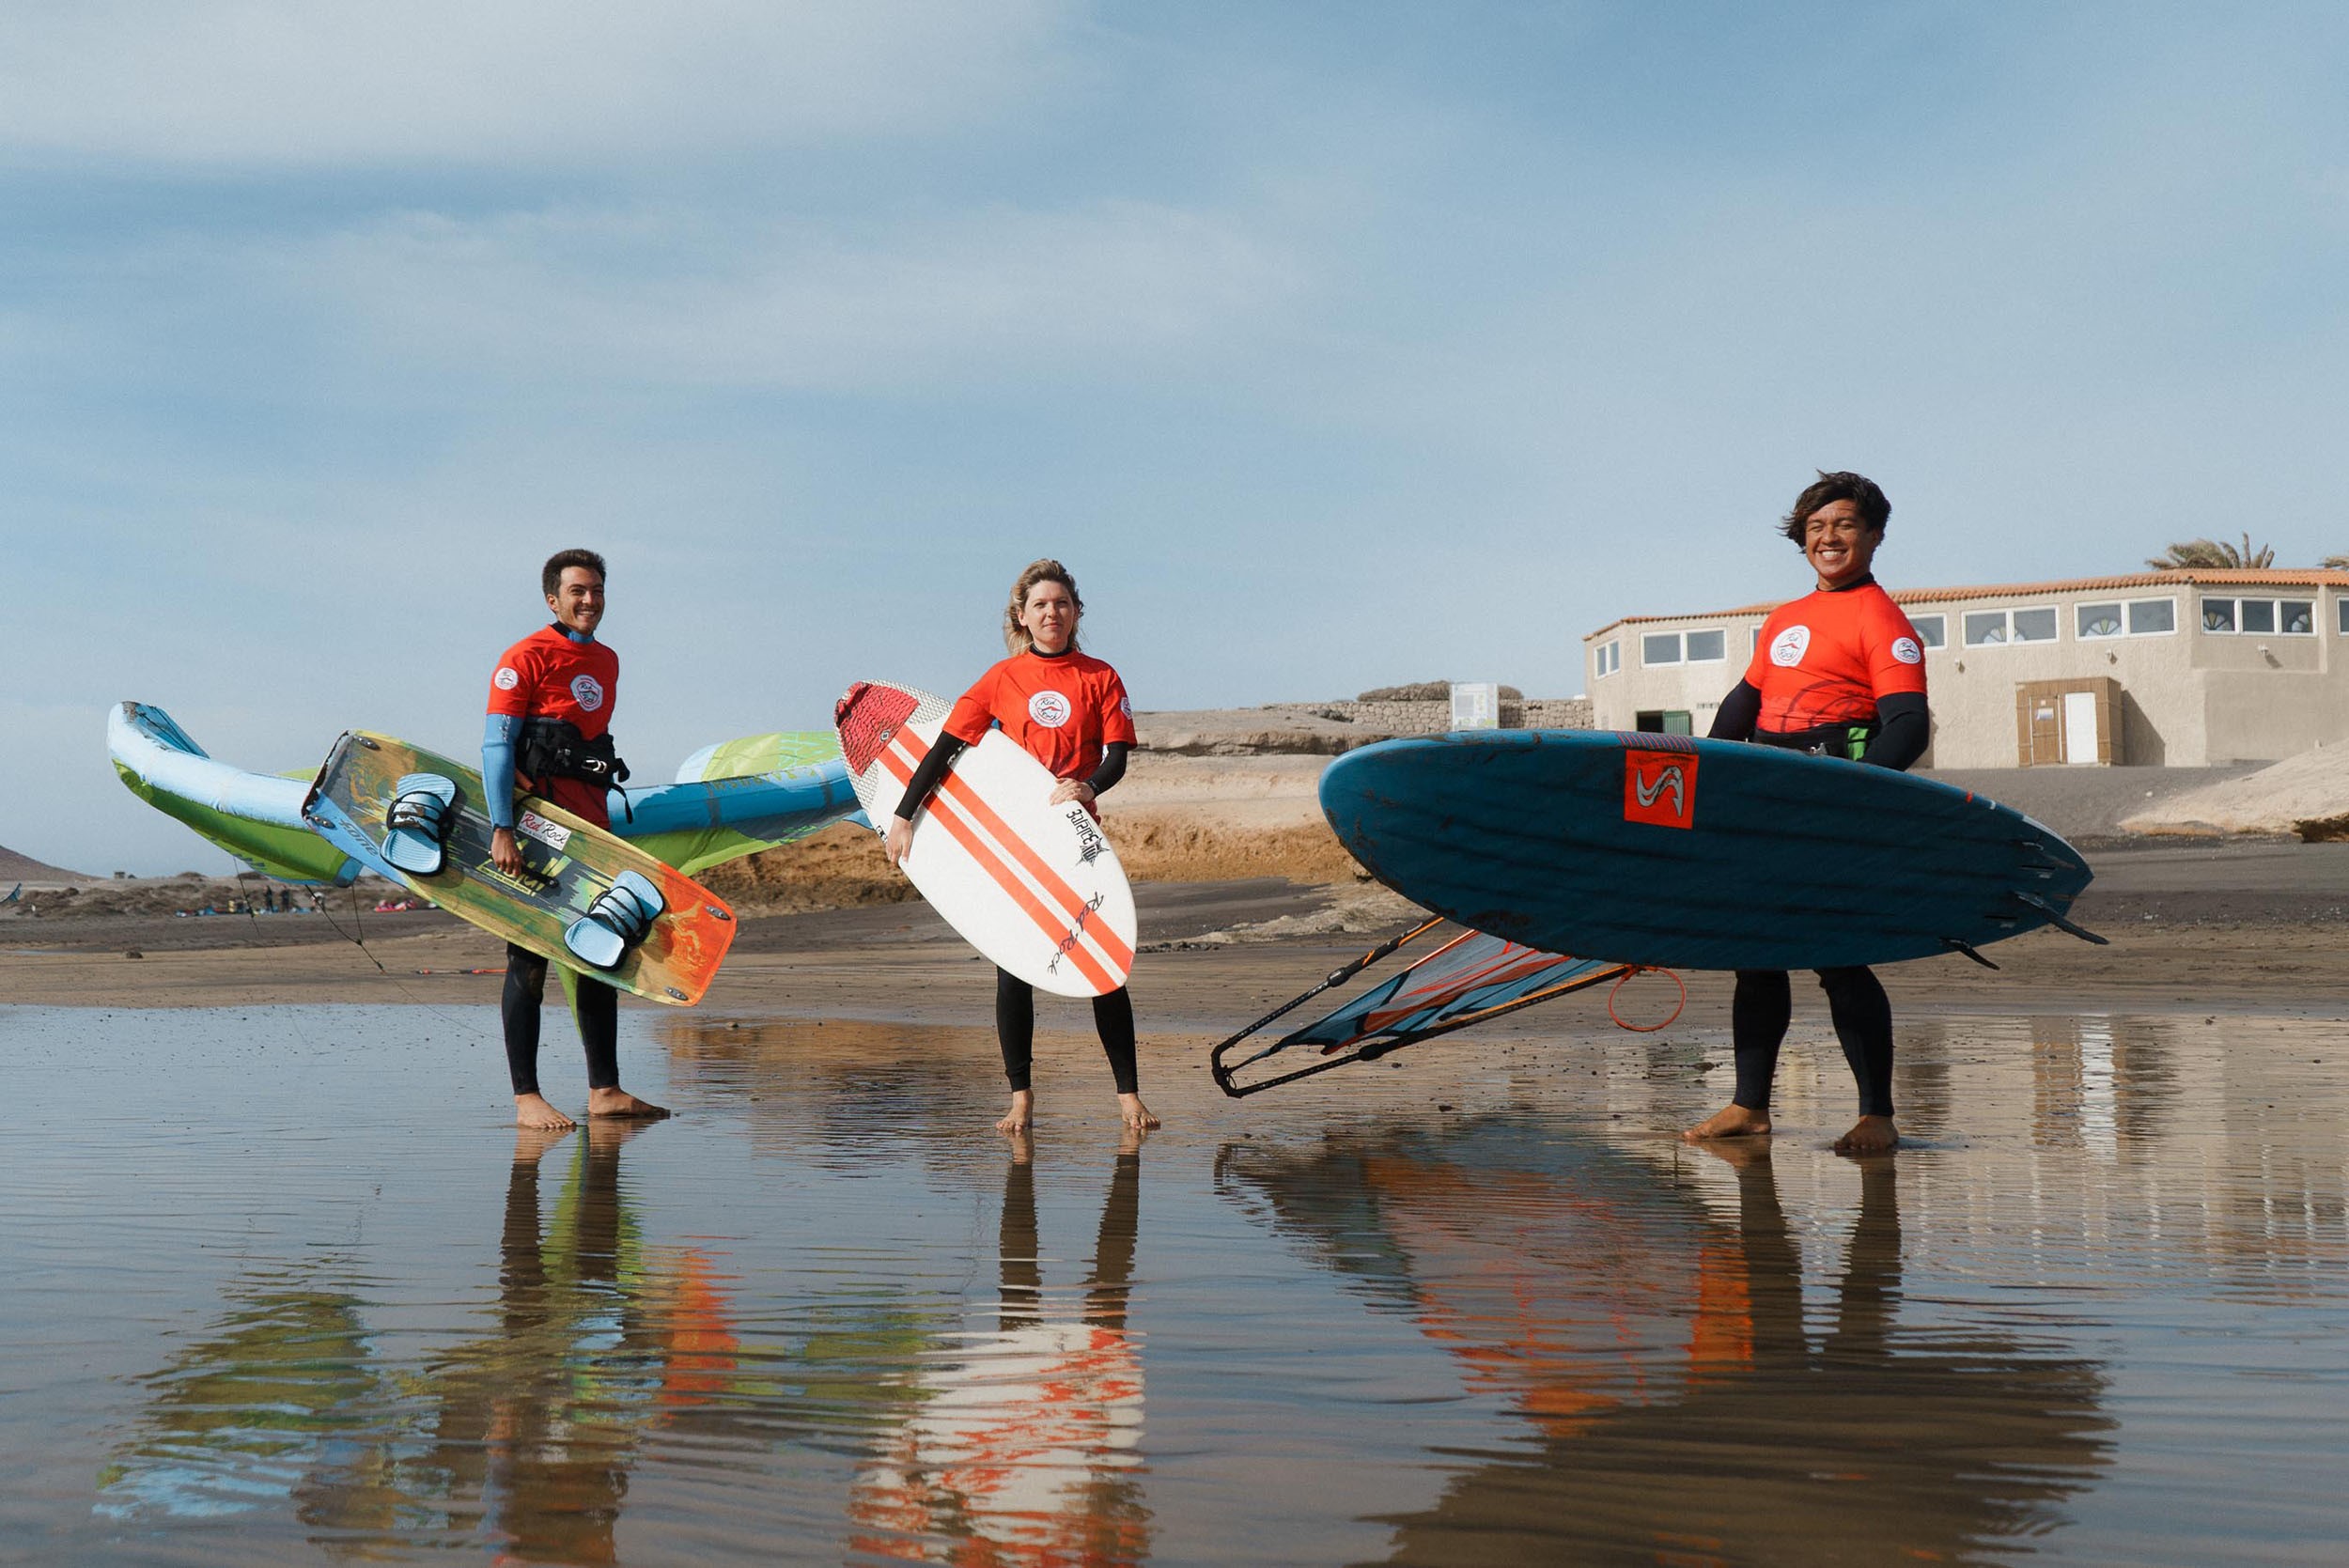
pixel 1476 705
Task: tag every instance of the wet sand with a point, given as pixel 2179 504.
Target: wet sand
pixel 282 1283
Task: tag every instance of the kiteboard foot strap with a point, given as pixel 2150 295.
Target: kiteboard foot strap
pixel 416 826
pixel 615 921
pixel 1966 948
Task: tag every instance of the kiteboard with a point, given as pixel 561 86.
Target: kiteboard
pixel 1034 887
pixel 1673 852
pixel 585 898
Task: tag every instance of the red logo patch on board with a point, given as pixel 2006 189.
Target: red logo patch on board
pixel 1661 788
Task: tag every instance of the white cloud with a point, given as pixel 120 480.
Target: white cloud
pixel 498 82
pixel 673 297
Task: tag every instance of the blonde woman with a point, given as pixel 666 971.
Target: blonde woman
pixel 1070 711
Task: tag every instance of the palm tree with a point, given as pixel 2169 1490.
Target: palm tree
pixel 2211 552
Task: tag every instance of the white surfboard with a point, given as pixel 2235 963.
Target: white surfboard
pixel 1034 886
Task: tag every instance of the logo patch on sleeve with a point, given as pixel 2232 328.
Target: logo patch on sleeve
pixel 505 680
pixel 1907 651
pixel 1661 788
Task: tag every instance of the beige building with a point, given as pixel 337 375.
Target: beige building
pixel 2179 668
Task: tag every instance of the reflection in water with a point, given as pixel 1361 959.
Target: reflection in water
pixel 521 1438
pixel 1681 1407
pixel 1026 1450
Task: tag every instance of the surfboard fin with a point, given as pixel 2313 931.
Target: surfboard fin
pixel 2055 917
pixel 416 828
pixel 615 921
pixel 1966 948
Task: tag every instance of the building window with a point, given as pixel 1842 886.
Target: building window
pixel 2341 606
pixel 1707 647
pixel 1662 723
pixel 2289 617
pixel 1931 631
pixel 1986 628
pixel 1659 648
pixel 1608 660
pixel 2141 617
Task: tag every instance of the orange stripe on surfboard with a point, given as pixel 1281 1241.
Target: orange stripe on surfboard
pixel 1051 881
pixel 1111 946
pixel 967 834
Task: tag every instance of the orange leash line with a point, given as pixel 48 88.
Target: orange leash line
pixel 1632 972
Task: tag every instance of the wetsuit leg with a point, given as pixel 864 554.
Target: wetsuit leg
pixel 597 1008
pixel 1759 1011
pixel 1113 1020
pixel 1014 1026
pixel 518 1008
pixel 1863 1022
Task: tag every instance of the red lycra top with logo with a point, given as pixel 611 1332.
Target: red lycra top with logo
pixel 1825 659
pixel 1063 707
pixel 547 676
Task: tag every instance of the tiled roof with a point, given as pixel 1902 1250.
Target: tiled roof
pixel 2214 577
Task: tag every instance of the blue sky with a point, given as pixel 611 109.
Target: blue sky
pixel 1330 344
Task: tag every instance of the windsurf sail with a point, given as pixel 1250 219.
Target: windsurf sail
pixel 1468 980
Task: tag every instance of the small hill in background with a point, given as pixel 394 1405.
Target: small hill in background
pixel 15 868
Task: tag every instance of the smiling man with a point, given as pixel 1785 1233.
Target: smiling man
pixel 1839 672
pixel 550 732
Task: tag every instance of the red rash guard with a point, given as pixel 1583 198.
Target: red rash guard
pixel 1826 658
pixel 1062 708
pixel 547 676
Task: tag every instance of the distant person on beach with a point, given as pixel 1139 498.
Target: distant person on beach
pixel 548 731
pixel 1838 673
pixel 1070 711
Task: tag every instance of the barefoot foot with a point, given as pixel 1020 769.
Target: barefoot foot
pixel 1731 1121
pixel 1135 1113
pixel 1870 1135
pixel 1021 1116
pixel 619 1102
pixel 531 1110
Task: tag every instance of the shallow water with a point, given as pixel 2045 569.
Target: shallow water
pixel 279 1286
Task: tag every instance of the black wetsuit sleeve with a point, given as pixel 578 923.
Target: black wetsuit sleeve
pixel 1112 769
pixel 1739 714
pixel 933 769
pixel 1905 729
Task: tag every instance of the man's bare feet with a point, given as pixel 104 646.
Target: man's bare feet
pixel 1021 1116
pixel 1870 1135
pixel 1731 1121
pixel 531 1143
pixel 619 1102
pixel 1135 1113
pixel 531 1110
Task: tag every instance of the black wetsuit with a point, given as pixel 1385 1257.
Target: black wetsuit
pixel 1763 1004
pixel 1014 999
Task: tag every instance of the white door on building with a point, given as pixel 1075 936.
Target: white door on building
pixel 2079 728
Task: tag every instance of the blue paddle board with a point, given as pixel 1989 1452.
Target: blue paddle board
pixel 1694 854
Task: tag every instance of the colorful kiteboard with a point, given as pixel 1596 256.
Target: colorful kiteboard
pixel 1667 851
pixel 1034 886
pixel 585 899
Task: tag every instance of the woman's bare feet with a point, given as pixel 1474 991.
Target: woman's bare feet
pixel 1731 1121
pixel 531 1110
pixel 619 1102
pixel 1021 1116
pixel 1135 1113
pixel 1870 1135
